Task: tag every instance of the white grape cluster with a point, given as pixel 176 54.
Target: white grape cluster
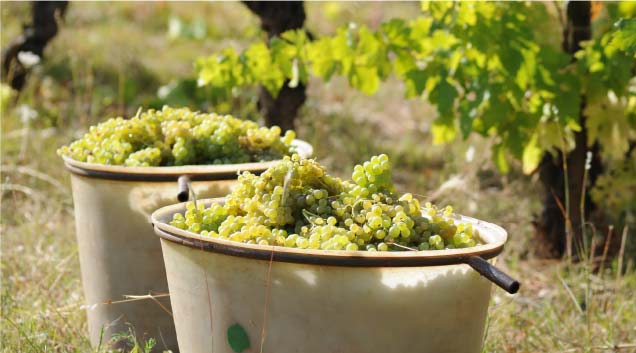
pixel 295 203
pixel 173 136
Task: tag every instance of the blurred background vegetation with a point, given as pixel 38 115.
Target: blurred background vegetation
pixel 109 59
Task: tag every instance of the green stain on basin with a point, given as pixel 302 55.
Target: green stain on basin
pixel 237 338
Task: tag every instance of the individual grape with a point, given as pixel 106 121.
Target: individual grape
pixel 436 241
pixel 172 136
pixel 295 203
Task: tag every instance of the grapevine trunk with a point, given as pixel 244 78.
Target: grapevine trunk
pixel 560 226
pixel 277 17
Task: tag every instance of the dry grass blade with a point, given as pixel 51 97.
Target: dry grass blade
pixel 266 308
pixel 570 294
pixel 24 190
pixel 616 347
pixel 621 256
pixel 129 298
pixel 208 293
pixel 43 133
pixel 35 174
pixel 608 240
pixel 153 298
pixel 24 335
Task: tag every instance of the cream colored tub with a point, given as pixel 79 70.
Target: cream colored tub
pixel 119 253
pixel 307 301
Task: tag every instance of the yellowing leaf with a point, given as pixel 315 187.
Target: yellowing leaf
pixel 608 124
pixel 466 16
pixel 499 157
pixel 532 154
pixel 424 6
pixel 365 79
pixel 443 131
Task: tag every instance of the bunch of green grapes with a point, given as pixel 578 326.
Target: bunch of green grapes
pixel 295 203
pixel 170 136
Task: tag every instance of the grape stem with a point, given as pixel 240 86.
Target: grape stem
pixel 288 177
pixel 353 208
pixel 308 214
pixel 401 246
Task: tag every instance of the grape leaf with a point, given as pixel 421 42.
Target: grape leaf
pixel 499 156
pixel 365 79
pixel 467 112
pixel 404 62
pixel 444 95
pixel 488 67
pixel 415 82
pixel 532 154
pixel 625 36
pixel 396 32
pixel 443 130
pixel 511 59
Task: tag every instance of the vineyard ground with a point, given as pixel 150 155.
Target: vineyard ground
pixel 110 59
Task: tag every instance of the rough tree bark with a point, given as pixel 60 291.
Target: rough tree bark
pixel 36 36
pixel 551 225
pixel 277 17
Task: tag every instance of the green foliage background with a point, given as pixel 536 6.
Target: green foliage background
pixel 489 68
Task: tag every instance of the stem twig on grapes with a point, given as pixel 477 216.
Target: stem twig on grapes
pixel 307 215
pixel 353 208
pixel 193 195
pixel 288 177
pixel 401 246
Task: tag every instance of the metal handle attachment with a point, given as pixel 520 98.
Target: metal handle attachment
pixel 493 274
pixel 184 188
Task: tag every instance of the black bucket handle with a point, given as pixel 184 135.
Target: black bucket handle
pixel 183 194
pixel 493 274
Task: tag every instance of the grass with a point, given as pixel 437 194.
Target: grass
pixel 110 59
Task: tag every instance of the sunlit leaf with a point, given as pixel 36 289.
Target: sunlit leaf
pixel 365 79
pixel 625 36
pixel 484 66
pixel 532 154
pixel 415 81
pixel 396 32
pixel 499 157
pixel 443 130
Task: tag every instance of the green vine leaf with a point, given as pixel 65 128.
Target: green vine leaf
pixel 415 81
pixel 625 36
pixel 487 67
pixel 532 154
pixel 499 156
pixel 444 130
pixel 444 95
